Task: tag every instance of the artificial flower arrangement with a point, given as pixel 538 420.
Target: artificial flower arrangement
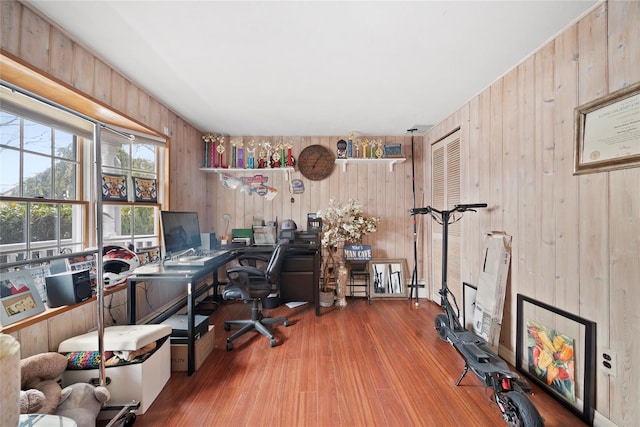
pixel 345 223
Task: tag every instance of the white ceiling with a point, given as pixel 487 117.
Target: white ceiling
pixel 313 67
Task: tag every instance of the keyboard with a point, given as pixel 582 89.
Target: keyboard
pixel 202 258
pixel 189 261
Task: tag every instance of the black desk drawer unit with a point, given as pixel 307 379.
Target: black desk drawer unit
pixel 300 277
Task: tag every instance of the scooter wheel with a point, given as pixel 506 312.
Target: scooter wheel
pixel 521 412
pixel 441 325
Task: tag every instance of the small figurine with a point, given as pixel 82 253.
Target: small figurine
pixel 342 149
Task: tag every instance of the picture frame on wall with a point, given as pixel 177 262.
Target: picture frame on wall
pixel 607 132
pixel 393 150
pixel 114 187
pixel 19 298
pixel 146 189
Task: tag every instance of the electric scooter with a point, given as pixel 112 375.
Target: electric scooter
pixel 509 390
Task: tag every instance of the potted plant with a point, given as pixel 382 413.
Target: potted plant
pixel 341 223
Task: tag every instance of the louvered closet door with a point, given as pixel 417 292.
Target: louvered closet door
pixel 445 181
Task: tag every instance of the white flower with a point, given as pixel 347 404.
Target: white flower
pixel 345 223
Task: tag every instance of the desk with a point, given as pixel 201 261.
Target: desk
pixel 299 274
pixel 189 277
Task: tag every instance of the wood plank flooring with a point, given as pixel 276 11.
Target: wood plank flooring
pixel 369 364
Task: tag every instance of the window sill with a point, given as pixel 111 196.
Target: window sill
pixel 52 312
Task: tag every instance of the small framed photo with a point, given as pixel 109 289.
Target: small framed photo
pixel 19 298
pixel 114 187
pixel 393 150
pixel 146 189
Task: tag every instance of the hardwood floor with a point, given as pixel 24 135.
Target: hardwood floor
pixel 378 364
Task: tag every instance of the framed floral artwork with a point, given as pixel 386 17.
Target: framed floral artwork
pixel 114 187
pixel 146 189
pixel 556 350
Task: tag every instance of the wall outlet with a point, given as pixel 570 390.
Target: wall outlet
pixel 608 362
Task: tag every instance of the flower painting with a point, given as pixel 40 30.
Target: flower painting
pixel 551 359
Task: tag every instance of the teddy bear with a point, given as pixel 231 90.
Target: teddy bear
pixel 82 402
pixel 40 392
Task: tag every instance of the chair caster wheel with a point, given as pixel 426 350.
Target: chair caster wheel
pixel 129 419
pixel 286 323
pixel 227 327
pixel 229 346
pixel 272 343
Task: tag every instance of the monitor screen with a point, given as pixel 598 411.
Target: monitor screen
pixel 180 231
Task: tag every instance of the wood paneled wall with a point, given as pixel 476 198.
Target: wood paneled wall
pixel 30 37
pixel 576 239
pixel 42 46
pixel 383 193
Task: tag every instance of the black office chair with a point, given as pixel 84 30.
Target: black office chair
pixel 250 283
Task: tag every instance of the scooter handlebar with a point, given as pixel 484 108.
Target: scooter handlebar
pixel 468 206
pixel 420 211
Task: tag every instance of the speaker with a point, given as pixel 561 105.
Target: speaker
pixel 70 287
pixel 208 241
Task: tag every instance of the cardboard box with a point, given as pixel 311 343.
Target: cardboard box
pixel 203 348
pixel 492 287
pixel 179 326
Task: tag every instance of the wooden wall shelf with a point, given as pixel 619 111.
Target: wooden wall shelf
pixel 390 161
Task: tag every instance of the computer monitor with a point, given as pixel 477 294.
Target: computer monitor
pixel 180 231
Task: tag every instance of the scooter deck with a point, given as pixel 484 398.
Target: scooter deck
pixel 477 353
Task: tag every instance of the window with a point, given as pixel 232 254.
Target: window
pixel 40 210
pixel 129 222
pixel 46 182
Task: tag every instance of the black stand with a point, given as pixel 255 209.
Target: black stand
pixel 414 275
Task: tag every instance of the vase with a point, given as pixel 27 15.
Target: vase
pixel 326 298
pixel 341 300
pixel 341 285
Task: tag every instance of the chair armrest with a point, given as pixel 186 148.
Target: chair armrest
pixel 244 269
pixel 246 259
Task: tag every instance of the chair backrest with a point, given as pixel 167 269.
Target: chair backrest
pixel 272 273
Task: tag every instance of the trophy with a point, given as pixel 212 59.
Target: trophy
pixel 236 153
pixel 220 150
pixel 251 153
pixel 350 144
pixel 365 144
pixel 209 152
pixel 262 154
pixel 378 152
pixel 289 155
pixel 357 144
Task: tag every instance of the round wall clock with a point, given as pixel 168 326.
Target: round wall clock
pixel 316 162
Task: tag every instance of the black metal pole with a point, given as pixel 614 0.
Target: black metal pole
pixel 414 275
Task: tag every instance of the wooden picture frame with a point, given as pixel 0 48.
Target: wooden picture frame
pixel 388 278
pixel 607 132
pixel 114 187
pixel 145 189
pixel 393 150
pixel 19 298
pixel 556 350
